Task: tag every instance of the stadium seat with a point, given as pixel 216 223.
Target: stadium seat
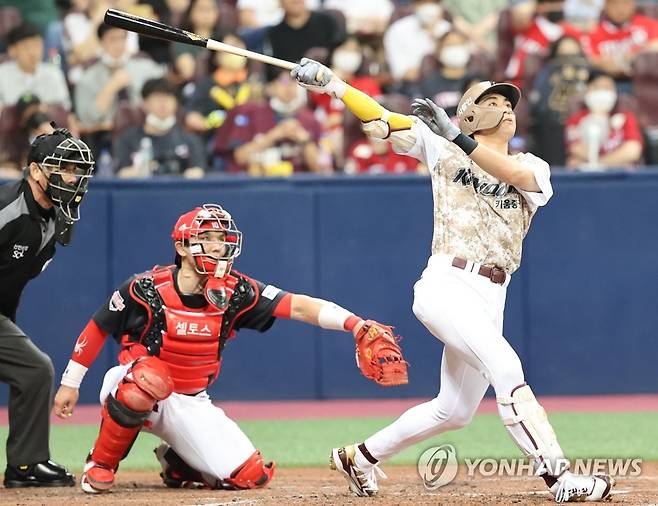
pixel 229 19
pixel 505 43
pixel 10 17
pixel 126 116
pixel 645 77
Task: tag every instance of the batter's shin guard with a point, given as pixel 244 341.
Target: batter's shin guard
pixel 527 424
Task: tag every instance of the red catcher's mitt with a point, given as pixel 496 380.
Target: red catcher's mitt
pixel 378 355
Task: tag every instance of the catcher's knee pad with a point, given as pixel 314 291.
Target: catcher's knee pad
pixel 254 473
pixel 527 423
pixel 124 414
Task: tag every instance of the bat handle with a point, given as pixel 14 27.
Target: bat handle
pixel 215 45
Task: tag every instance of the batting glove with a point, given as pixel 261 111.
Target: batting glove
pixel 435 118
pixel 317 77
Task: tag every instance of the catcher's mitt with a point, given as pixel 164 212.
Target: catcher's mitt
pixel 378 355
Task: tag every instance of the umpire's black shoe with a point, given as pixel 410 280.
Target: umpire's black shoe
pixel 41 474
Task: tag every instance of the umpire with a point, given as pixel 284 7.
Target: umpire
pixel 35 212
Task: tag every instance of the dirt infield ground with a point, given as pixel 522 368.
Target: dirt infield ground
pixel 321 487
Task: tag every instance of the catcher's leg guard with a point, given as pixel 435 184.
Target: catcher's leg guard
pixel 254 473
pixel 530 429
pixel 147 381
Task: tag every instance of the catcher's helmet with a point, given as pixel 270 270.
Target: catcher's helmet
pixel 209 217
pixel 55 152
pixel 472 117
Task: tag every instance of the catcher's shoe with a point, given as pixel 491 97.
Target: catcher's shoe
pixel 175 472
pixel 96 478
pixel 361 481
pixel 577 488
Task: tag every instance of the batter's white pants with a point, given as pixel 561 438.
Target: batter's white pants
pixel 465 311
pixel 198 431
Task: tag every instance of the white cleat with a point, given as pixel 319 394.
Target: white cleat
pixel 575 488
pixel 362 482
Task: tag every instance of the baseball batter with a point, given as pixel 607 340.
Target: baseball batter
pixel 484 201
pixel 172 324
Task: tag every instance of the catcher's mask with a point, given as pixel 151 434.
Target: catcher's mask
pixel 211 236
pixel 472 117
pixel 68 165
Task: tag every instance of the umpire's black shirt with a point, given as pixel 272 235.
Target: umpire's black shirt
pixel 27 242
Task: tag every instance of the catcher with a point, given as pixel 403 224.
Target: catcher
pixel 172 324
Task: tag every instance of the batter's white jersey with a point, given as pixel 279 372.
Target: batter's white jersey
pixel 476 217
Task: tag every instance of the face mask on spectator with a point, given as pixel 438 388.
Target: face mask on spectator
pixel 232 61
pixel 455 56
pixel 160 124
pixel 428 13
pixel 600 100
pixel 112 62
pixel 288 108
pixel 347 61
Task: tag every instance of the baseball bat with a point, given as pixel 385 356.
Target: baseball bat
pixel 150 28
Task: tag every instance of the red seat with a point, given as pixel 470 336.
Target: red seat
pixel 10 18
pixel 645 77
pixel 505 43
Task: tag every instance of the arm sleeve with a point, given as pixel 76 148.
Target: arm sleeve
pixel 261 316
pixel 542 172
pixel 89 344
pixel 419 142
pixel 632 130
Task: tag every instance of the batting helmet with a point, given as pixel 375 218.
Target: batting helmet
pixel 209 217
pixel 472 117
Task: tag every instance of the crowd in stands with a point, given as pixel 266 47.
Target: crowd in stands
pixel 588 70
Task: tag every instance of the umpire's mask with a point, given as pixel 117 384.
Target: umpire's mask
pixel 68 164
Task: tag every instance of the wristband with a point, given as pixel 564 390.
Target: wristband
pixel 73 374
pixel 466 144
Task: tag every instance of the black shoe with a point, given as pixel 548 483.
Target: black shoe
pixel 41 474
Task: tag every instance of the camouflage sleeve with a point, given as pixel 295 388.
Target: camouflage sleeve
pixel 419 142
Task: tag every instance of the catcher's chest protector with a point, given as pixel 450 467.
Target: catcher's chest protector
pixel 189 340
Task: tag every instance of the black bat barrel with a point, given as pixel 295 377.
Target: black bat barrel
pixel 151 28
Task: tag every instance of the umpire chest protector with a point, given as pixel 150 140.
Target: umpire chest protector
pixel 189 340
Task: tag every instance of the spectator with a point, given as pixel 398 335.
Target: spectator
pixel 376 156
pixel 221 91
pixel 300 30
pixel 409 39
pixel 276 137
pixel 347 63
pixel 32 120
pixel 536 24
pixel 478 20
pixel 601 135
pixel 160 146
pixel 26 73
pixel 116 76
pixel 619 37
pixel 564 76
pixel 445 84
pixel 202 18
pixel 262 13
pixel 361 17
pixel 583 14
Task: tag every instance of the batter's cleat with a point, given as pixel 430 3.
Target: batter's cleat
pixel 41 474
pixel 575 488
pixel 363 482
pixel 176 473
pixel 96 479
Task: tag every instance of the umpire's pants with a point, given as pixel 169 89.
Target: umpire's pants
pixel 29 373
